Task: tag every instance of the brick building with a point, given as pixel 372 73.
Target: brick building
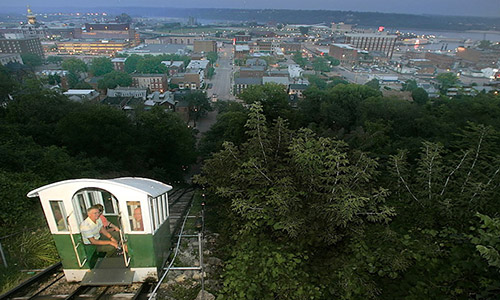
pixel 346 54
pixel 204 46
pixel 153 82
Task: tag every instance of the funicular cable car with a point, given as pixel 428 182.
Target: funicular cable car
pixel 138 206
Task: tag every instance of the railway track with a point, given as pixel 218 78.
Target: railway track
pixel 50 283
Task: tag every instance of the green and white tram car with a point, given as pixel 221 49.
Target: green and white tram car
pixel 65 206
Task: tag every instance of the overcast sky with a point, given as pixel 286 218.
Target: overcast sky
pixel 486 8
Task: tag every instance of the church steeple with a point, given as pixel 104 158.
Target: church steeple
pixel 31 16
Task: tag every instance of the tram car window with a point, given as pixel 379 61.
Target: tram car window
pixel 137 206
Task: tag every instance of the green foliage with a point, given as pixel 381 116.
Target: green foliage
pixel 74 65
pixel 130 64
pixel 32 60
pixel 167 142
pixel 409 85
pixel 212 57
pixel 316 81
pixel 298 59
pixel 333 61
pixel 262 269
pixel 420 96
pixel 101 66
pixel 7 84
pixel 198 104
pixel 229 127
pixel 446 80
pixel 321 64
pixel 54 59
pixel 123 18
pixel 33 249
pixel 114 79
pixel 151 65
pixel 488 239
pixel 374 84
pixel 272 96
pixel 210 72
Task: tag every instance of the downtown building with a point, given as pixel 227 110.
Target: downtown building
pixel 377 42
pixel 22 46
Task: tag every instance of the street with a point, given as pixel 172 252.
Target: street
pixel 223 77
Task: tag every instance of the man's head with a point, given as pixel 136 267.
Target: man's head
pixel 99 207
pixel 93 213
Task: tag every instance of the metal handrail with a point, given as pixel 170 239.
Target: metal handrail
pixel 75 246
pixel 122 240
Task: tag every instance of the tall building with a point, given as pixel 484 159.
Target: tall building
pixel 115 31
pixel 204 46
pixel 380 42
pixel 22 46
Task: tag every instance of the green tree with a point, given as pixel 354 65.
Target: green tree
pixel 420 96
pixel 167 142
pixel 130 65
pixel 321 64
pixel 212 57
pixel 286 187
pixel 273 98
pixel 298 59
pixel 151 65
pixel 446 80
pixel 54 59
pixel 198 104
pixel 74 65
pixel 374 84
pixel 7 84
pixel 101 66
pixel 409 85
pixel 32 60
pixel 333 61
pixel 114 79
pixel 123 18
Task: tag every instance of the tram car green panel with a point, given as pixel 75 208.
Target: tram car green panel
pixel 67 252
pixel 148 250
pixel 162 242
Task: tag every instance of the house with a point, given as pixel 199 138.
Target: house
pixel 297 89
pixel 190 80
pixel 133 92
pixel 278 80
pixel 82 95
pixel 242 83
pixel 174 67
pixel 254 71
pixel 119 63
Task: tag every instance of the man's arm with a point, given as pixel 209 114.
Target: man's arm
pixel 94 241
pixel 104 232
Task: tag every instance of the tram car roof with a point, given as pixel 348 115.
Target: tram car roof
pixel 144 185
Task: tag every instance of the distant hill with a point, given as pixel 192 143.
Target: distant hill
pixel 364 19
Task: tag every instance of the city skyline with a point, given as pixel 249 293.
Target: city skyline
pixel 482 8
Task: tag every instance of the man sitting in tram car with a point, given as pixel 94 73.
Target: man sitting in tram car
pixel 92 228
pixel 138 225
pixel 108 225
